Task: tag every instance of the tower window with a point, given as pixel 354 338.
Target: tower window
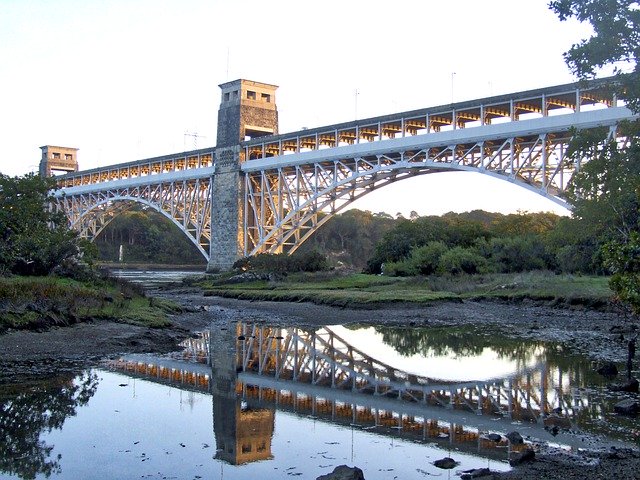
pixel 266 97
pixel 251 95
pixel 226 97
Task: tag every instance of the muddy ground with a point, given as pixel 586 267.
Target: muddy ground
pixel 600 335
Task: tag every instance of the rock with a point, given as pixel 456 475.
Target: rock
pixel 609 369
pixel 343 472
pixel 494 437
pixel 515 438
pixel 627 407
pixel 446 463
pixel 519 458
pixel 476 473
pixel 631 386
pixel 558 422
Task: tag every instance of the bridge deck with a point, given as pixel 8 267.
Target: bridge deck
pixel 550 101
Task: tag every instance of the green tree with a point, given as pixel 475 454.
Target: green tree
pixel 34 238
pixel 606 192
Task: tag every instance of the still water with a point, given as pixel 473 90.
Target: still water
pixel 252 400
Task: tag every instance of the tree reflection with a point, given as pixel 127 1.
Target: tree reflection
pixel 461 342
pixel 27 412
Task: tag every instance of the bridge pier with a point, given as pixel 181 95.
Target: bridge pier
pixel 227 235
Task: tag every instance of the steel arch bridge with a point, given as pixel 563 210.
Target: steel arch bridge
pixel 271 193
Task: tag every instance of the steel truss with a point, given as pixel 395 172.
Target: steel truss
pixel 285 205
pixel 187 203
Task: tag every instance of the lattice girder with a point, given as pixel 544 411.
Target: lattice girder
pixel 284 202
pixel 186 203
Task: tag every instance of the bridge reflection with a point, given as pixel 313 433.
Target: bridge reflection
pixel 252 370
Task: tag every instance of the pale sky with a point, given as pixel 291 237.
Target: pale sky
pixel 124 80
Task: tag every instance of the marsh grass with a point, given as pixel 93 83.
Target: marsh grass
pixel 43 302
pixel 359 290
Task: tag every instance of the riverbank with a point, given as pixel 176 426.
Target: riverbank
pixel 376 291
pixel 600 335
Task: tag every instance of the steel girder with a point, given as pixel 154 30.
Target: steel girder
pixel 187 203
pixel 285 205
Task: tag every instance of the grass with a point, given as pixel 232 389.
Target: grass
pixel 43 302
pixel 359 290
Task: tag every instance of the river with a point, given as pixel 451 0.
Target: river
pixel 254 400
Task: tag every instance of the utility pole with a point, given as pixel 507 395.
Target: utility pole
pixel 195 137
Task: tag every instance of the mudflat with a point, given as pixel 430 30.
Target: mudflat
pixel 602 336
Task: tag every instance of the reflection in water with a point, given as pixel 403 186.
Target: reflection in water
pixel 25 416
pixel 318 381
pixel 257 369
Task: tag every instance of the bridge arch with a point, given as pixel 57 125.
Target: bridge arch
pixel 297 196
pixel 92 221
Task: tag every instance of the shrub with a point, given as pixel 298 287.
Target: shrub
pixel 462 260
pixel 282 263
pixel 517 254
pixel 426 259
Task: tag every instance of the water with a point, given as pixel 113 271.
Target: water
pixel 256 401
pixel 154 278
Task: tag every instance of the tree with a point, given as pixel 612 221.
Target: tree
pixel 615 42
pixel 606 193
pixel 34 238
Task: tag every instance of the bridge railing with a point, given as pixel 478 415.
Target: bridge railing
pixel 562 99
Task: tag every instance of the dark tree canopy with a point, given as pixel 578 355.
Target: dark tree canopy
pixel 34 238
pixel 615 42
pixel 606 192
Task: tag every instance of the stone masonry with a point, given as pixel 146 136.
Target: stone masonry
pixel 247 110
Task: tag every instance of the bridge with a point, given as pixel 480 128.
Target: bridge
pixel 315 372
pixel 259 191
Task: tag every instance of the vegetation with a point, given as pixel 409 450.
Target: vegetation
pixel 46 275
pixel 361 290
pixel 606 193
pixel 43 302
pixel 34 239
pixel 146 236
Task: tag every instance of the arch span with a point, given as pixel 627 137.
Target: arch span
pixel 186 203
pixel 283 204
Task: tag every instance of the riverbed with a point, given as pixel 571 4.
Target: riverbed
pixel 394 391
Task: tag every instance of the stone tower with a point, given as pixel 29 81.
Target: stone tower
pixel 58 159
pixel 247 110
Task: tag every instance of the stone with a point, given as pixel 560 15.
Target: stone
pixel 494 437
pixel 446 463
pixel 343 472
pixel 519 458
pixel 475 473
pixel 627 407
pixel 631 386
pixel 557 421
pixel 515 438
pixel 609 369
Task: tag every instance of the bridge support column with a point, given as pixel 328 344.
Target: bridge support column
pixel 227 233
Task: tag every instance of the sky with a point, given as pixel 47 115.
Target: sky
pixel 124 80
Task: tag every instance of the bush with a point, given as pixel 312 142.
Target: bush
pixel 517 254
pixel 282 263
pixel 426 259
pixel 462 260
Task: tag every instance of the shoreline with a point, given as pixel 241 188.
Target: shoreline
pixel 595 334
